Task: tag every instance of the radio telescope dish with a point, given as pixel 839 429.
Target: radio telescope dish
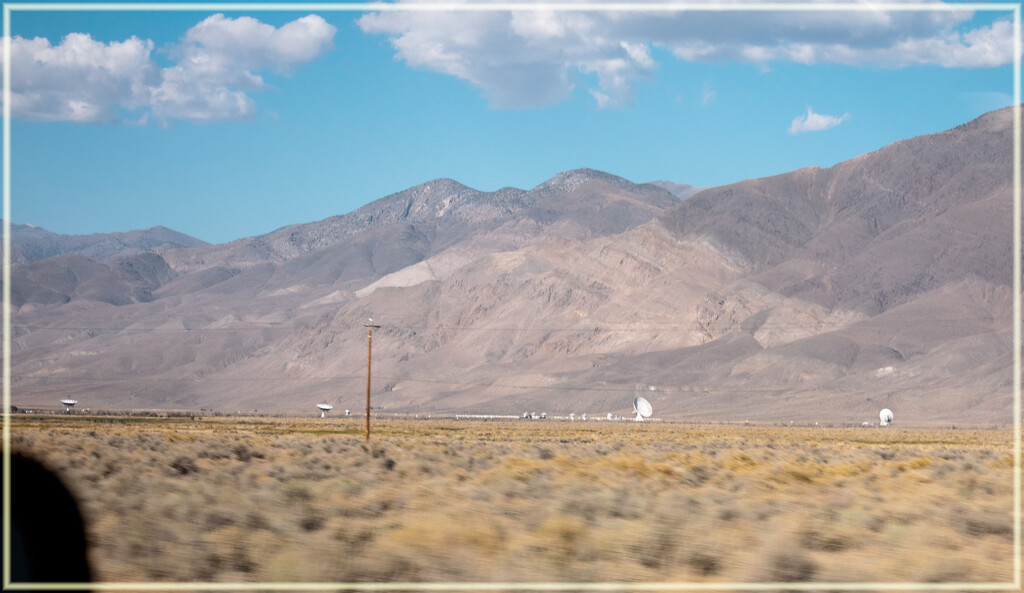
pixel 643 409
pixel 885 416
pixel 68 404
pixel 323 409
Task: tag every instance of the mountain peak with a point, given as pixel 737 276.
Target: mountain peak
pixel 999 119
pixel 31 243
pixel 570 180
pixel 815 294
pixel 439 185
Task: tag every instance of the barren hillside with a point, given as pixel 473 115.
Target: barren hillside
pixel 818 295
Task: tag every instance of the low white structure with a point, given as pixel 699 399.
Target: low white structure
pixel 643 409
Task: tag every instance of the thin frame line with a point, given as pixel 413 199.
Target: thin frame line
pixel 518 7
pixel 521 7
pixel 7 298
pixel 1017 295
pixel 501 586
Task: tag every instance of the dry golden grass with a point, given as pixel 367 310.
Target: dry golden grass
pixel 275 500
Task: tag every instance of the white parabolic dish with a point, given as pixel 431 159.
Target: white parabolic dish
pixel 69 402
pixel 324 407
pixel 643 408
pixel 885 416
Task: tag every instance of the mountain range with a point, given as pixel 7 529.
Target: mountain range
pixel 816 295
pixel 30 243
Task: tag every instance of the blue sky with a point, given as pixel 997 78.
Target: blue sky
pixel 228 124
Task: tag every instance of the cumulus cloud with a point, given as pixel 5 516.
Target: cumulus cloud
pixel 80 79
pixel 815 122
pixel 218 62
pixel 220 59
pixel 534 58
pixel 519 59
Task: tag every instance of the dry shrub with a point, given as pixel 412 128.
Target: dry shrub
pixel 790 566
pixel 982 521
pixel 184 465
pixel 294 500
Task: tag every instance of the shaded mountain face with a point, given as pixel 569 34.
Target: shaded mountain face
pixel 578 203
pixel 66 278
pixel 31 243
pixel 348 252
pixel 874 232
pixel 819 295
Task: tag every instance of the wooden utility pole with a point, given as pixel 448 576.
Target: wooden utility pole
pixel 369 350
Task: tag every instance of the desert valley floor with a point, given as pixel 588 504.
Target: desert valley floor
pixel 279 500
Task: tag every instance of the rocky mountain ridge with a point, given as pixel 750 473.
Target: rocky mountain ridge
pixel 442 210
pixel 31 243
pixel 821 294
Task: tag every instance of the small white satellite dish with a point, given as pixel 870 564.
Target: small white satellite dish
pixel 572 415
pixel 348 413
pixel 68 404
pixel 543 415
pixel 584 415
pixel 611 416
pixel 323 409
pixel 643 409
pixel 885 416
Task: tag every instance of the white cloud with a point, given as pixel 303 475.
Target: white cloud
pixel 248 43
pixel 984 47
pixel 708 94
pixel 80 79
pixel 639 53
pixel 218 61
pixel 505 56
pixel 536 58
pixel 519 59
pixel 602 99
pixel 815 122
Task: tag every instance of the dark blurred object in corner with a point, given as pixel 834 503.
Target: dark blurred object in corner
pixel 48 542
